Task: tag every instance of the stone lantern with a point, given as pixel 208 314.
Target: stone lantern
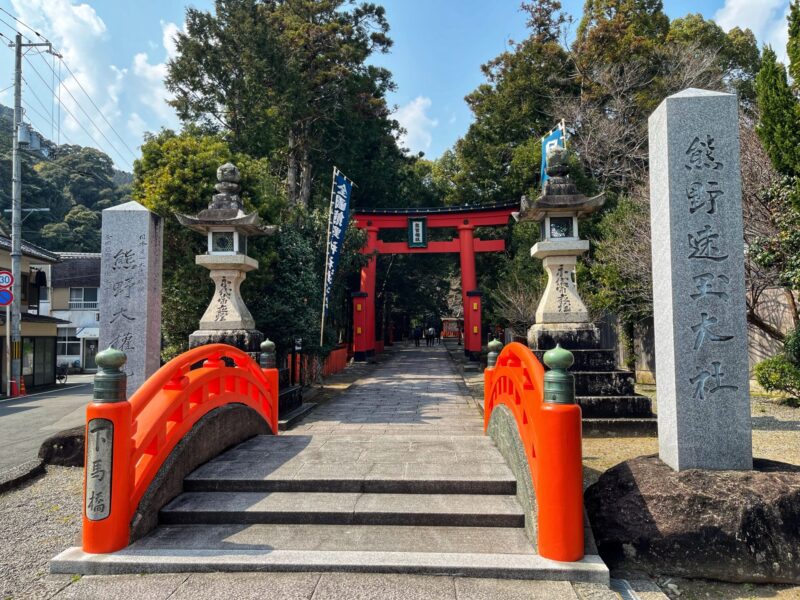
pixel 227 319
pixel 561 315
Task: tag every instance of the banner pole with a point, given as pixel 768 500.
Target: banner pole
pixel 327 253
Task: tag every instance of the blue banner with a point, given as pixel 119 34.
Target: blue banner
pixel 337 226
pixel 556 137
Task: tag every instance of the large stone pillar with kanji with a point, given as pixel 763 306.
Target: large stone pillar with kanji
pixel 130 288
pixel 698 283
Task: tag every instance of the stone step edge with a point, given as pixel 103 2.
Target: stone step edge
pixel 591 569
pixel 621 427
pixel 482 487
pixel 213 511
pixel 290 419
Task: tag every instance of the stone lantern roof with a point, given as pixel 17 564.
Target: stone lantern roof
pixel 560 194
pixel 226 209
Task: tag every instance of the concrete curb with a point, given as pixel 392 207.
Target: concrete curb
pixel 15 477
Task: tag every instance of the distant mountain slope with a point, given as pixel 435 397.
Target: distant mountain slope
pixel 74 182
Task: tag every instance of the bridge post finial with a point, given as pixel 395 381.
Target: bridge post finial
pixel 559 386
pixel 494 351
pixel 110 382
pixel 267 358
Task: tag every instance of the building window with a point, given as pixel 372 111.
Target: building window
pixel 44 294
pixel 68 342
pixel 83 298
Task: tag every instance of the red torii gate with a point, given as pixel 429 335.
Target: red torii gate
pixel 464 219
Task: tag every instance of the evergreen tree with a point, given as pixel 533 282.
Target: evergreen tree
pixel 793 45
pixel 778 126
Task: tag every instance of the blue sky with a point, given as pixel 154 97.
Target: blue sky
pixel 117 50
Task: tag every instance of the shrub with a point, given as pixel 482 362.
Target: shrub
pixel 779 374
pixel 791 346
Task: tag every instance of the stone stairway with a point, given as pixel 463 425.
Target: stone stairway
pixel 606 393
pixel 381 504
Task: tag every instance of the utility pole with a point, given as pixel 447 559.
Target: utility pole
pixel 15 372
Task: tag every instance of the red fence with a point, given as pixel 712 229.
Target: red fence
pixel 147 427
pixel 335 362
pixel 309 368
pixel 551 436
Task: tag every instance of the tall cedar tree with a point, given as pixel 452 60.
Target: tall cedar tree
pixel 779 126
pixel 274 75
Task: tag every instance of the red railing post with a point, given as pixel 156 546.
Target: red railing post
pixel 549 424
pixel 560 462
pixel 107 469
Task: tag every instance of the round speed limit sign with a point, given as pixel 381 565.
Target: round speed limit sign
pixel 6 279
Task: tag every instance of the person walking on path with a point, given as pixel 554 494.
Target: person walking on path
pixel 417 335
pixel 429 337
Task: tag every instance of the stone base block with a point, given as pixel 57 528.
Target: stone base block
pixel 730 525
pixel 603 383
pixel 615 407
pixel 572 336
pixel 248 340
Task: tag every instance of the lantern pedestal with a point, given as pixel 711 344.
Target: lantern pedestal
pixel 603 390
pixel 227 319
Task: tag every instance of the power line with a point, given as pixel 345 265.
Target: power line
pixel 24 25
pixel 83 110
pixel 86 131
pixel 14 29
pixel 97 108
pixel 74 77
pixel 35 96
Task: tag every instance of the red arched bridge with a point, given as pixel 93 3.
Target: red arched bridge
pixel 129 440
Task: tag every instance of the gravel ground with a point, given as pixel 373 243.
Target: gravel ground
pixel 38 521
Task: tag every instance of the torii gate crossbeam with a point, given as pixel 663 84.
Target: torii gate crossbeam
pixel 462 218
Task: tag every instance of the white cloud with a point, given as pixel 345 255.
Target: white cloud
pixel 136 125
pixel 150 77
pixel 414 119
pixel 78 33
pixel 766 18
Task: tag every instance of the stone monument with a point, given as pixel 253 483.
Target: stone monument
pixel 130 288
pixel 604 392
pixel 227 319
pixel 702 369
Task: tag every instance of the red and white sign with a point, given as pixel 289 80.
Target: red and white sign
pixel 6 279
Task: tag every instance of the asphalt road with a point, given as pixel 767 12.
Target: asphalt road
pixel 26 422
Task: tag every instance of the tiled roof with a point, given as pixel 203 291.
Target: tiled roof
pixel 74 255
pixel 30 250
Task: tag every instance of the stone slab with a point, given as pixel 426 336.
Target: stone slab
pixel 502 566
pixel 512 589
pixel 248 586
pixel 378 538
pixel 343 508
pixel 370 586
pixel 130 288
pixel 123 587
pixel 698 282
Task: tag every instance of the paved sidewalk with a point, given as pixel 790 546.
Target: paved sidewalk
pixel 27 421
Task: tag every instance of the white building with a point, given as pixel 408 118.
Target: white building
pixel 72 296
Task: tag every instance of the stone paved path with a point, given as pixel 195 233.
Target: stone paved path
pixel 416 392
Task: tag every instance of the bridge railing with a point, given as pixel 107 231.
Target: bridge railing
pixel 127 441
pixel 550 429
